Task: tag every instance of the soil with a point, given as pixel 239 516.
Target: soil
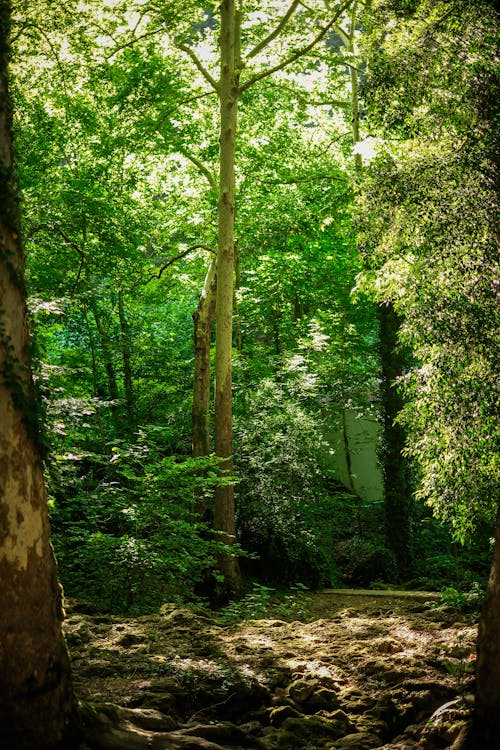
pixel 365 670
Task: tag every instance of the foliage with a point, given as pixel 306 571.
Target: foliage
pixel 116 134
pixel 470 600
pixel 264 602
pixel 127 537
pixel 428 234
pixel 284 510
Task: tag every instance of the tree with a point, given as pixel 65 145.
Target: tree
pixel 229 89
pixel 36 697
pixel 432 203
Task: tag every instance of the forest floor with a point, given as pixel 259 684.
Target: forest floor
pixel 366 670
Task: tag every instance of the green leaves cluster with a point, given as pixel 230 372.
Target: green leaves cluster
pixel 429 238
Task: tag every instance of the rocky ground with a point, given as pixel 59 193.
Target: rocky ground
pixel 364 671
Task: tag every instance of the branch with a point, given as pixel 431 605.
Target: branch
pixel 58 230
pixel 343 35
pixel 279 28
pixel 194 57
pixel 298 54
pixel 312 102
pixel 311 178
pixel 78 250
pixel 202 167
pixel 173 260
pixel 133 41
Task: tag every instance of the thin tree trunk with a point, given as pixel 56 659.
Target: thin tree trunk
pixel 36 697
pixel 398 502
pixel 238 340
pixel 95 383
pixel 106 354
pixel 224 520
pixel 126 347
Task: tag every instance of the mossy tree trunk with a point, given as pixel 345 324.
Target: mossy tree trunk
pixel 398 500
pixel 35 686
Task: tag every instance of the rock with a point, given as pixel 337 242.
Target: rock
pixel 301 690
pixel 163 702
pixel 357 741
pixel 278 715
pixel 298 732
pixel 322 699
pixel 148 718
pixel 130 639
pixel 223 732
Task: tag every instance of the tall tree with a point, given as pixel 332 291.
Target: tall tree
pixel 36 697
pixel 397 490
pixel 232 62
pixel 433 90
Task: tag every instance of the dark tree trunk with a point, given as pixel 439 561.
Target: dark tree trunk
pixel 484 733
pixel 398 503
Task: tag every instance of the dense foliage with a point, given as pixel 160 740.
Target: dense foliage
pixel 117 142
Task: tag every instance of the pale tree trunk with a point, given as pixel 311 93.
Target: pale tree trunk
pixel 228 90
pixel 228 98
pixel 35 686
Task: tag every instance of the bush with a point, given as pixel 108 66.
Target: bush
pixel 285 514
pixel 364 561
pixel 133 540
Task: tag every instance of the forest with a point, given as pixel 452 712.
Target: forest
pixel 249 390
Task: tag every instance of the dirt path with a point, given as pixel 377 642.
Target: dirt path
pixel 368 670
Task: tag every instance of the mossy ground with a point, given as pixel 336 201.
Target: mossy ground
pixel 365 671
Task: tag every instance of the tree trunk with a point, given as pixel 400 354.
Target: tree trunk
pixel 126 347
pixel 228 99
pixel 484 733
pixel 397 493
pixel 106 353
pixel 35 686
pixel 397 504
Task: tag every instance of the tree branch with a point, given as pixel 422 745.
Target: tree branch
pixel 202 167
pixel 194 57
pixel 324 31
pixel 312 102
pixel 133 41
pixel 279 28
pixel 310 178
pixel 173 260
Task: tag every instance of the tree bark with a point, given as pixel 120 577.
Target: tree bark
pixel 397 493
pixel 484 733
pixel 36 697
pixel 228 100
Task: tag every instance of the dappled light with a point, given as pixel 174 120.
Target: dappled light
pixel 249 326
pixel 371 667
